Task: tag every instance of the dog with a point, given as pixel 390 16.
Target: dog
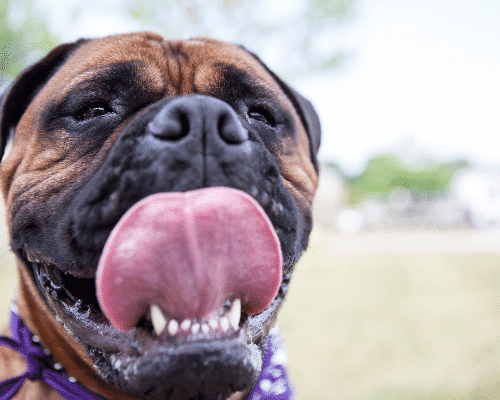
pixel 158 196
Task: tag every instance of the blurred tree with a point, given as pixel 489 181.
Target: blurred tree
pixel 294 36
pixel 23 38
pixel 386 172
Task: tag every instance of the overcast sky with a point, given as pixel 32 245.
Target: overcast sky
pixel 421 74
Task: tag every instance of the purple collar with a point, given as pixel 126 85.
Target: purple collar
pixel 273 383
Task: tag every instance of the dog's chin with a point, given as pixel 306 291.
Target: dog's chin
pixel 206 364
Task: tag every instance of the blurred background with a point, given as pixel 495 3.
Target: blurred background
pixel 398 296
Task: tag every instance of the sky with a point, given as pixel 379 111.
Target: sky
pixel 424 76
pixel 420 77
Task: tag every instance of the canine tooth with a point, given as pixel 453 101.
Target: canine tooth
pixel 158 319
pixel 205 329
pixel 235 314
pixel 173 327
pixel 224 324
pixel 185 325
pixel 213 324
pixel 195 328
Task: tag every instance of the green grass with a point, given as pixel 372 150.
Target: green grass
pixel 378 325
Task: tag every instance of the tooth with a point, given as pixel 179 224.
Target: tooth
pixel 185 325
pixel 213 324
pixel 224 324
pixel 173 327
pixel 235 314
pixel 158 319
pixel 33 259
pixel 205 329
pixel 195 328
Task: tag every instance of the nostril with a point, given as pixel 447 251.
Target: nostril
pixel 230 129
pixel 184 123
pixel 170 124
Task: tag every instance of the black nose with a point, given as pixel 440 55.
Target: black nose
pixel 195 115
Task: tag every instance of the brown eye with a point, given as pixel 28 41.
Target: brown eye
pixel 261 114
pixel 92 110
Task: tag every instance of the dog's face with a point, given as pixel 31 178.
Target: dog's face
pixel 109 131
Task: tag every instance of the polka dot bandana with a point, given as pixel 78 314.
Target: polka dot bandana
pixel 273 383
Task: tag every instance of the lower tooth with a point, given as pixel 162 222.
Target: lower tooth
pixel 185 325
pixel 224 324
pixel 158 319
pixel 213 324
pixel 235 314
pixel 173 327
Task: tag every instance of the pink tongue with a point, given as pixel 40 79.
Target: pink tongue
pixel 189 253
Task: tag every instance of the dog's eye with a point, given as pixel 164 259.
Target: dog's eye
pixel 92 110
pixel 261 114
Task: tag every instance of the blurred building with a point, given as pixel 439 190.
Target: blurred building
pixel 471 201
pixel 330 198
pixel 478 193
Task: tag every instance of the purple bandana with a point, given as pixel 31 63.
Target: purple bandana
pixel 273 382
pixel 41 365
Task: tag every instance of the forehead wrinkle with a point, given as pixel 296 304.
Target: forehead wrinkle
pixel 95 75
pixel 210 52
pixel 113 50
pixel 101 54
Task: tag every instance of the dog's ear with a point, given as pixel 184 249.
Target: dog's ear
pixel 304 108
pixel 310 119
pixel 307 115
pixel 15 101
